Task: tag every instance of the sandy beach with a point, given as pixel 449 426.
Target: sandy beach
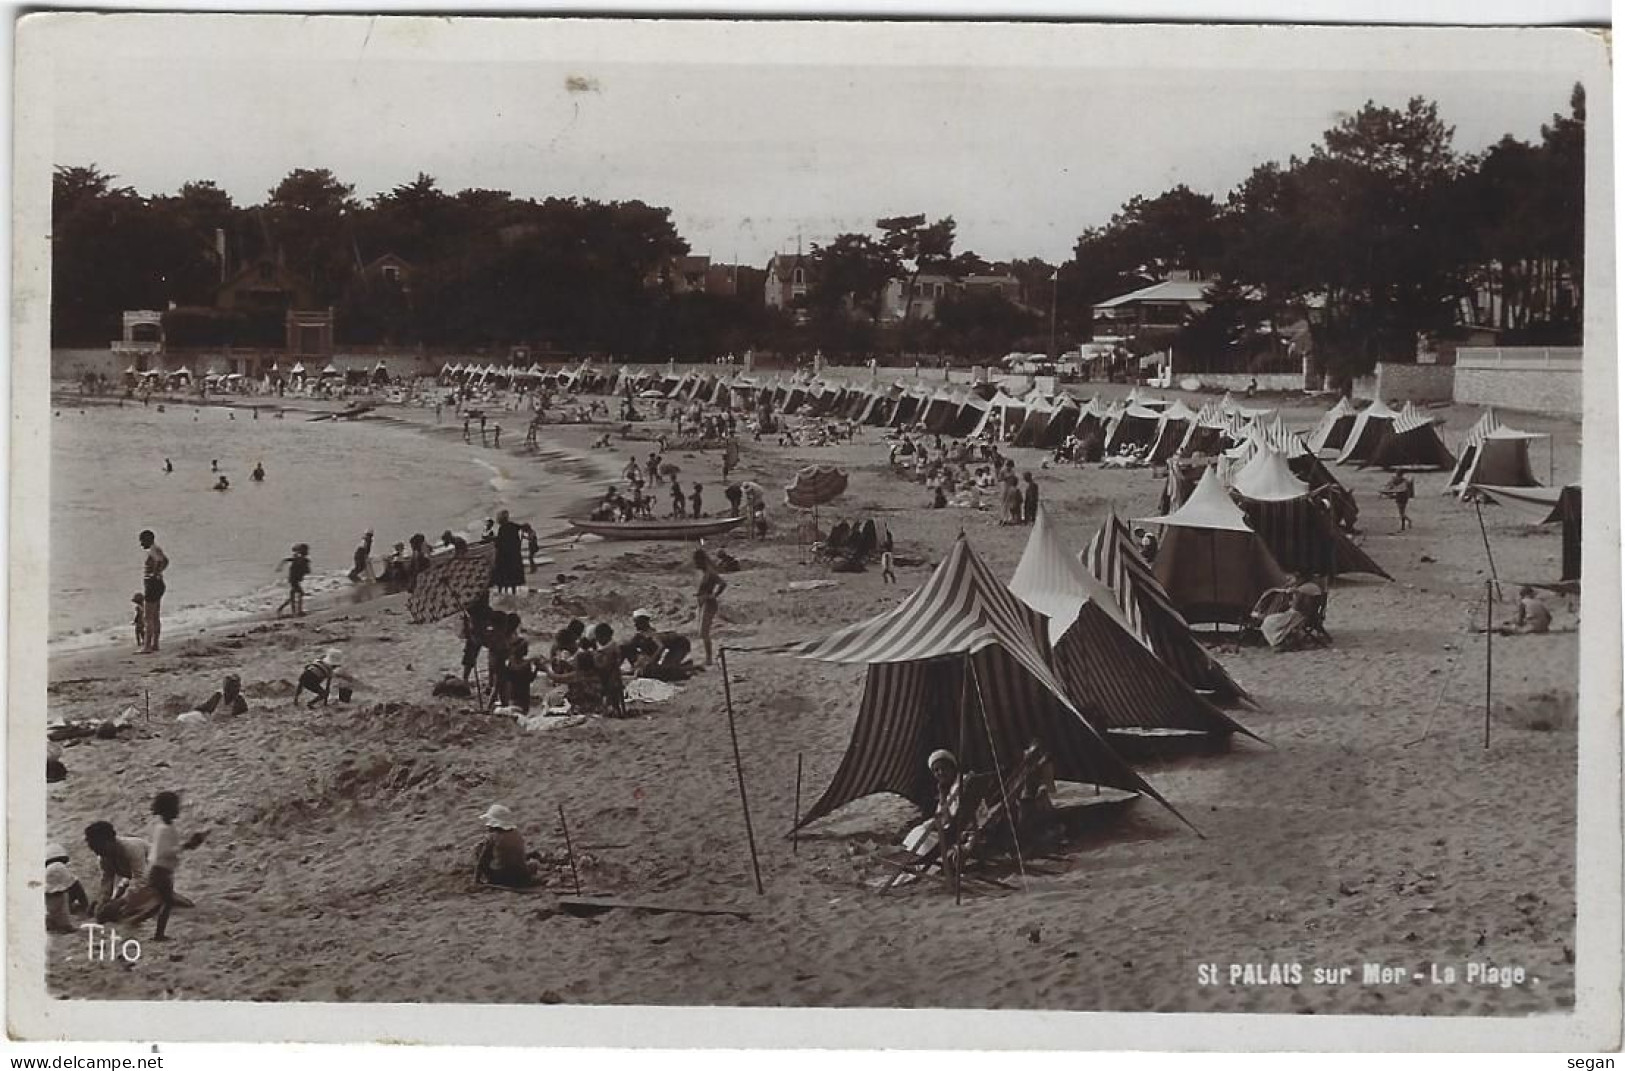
pixel 1377 828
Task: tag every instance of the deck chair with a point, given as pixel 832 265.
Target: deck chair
pixel 1314 610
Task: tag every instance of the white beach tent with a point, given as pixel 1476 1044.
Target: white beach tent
pixel 1334 427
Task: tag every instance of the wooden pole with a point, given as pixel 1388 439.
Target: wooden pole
pixel 1494 581
pixel 1489 657
pixel 569 851
pixel 1551 460
pixel 795 830
pixel 739 769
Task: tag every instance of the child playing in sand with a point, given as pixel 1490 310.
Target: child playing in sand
pixel 64 894
pixel 520 673
pixel 165 856
pixel 678 500
pixel 317 678
pixel 140 619
pixel 502 858
pixel 694 502
pixel 606 659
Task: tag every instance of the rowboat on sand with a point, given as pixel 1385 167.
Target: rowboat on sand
pixel 670 529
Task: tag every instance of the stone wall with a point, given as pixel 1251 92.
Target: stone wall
pixel 1542 380
pixel 1237 381
pixel 1399 383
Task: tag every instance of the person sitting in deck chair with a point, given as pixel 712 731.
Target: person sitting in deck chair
pixel 1290 616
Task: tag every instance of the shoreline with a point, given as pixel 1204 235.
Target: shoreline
pixel 558 456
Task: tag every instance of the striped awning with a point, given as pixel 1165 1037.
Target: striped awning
pixel 814 486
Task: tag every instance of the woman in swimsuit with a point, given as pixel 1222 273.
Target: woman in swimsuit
pixel 710 591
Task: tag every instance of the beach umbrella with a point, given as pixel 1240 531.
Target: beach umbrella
pixel 451 584
pixel 815 485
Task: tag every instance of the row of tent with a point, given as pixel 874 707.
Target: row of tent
pixel 1492 453
pixel 1081 652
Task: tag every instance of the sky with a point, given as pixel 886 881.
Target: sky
pixel 762 137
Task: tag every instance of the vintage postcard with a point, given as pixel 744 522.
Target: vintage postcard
pixel 659 532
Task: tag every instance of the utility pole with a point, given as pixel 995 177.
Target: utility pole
pixel 1054 294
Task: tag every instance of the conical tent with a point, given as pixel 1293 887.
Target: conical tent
pixel 1004 415
pixel 1172 431
pixel 960 664
pixel 1062 422
pixel 1366 433
pixel 1492 453
pixel 1333 430
pixel 1037 419
pixel 1211 563
pixel 1135 426
pixel 940 412
pixel 1299 532
pixel 1501 458
pixel 1412 442
pixel 970 415
pixel 1114 560
pixel 1114 679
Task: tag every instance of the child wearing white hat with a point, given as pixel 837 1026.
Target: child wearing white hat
pixel 502 858
pixel 64 895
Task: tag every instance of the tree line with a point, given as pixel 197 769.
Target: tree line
pixel 1381 233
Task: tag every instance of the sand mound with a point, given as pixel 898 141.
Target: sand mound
pixel 1552 710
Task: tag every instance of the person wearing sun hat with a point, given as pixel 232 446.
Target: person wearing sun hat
pixel 502 858
pixel 64 895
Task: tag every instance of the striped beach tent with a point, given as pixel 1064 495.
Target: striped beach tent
pixel 961 664
pixel 1113 559
pixel 1113 678
pixel 1298 530
pixel 1412 442
pixel 1492 453
pixel 1366 433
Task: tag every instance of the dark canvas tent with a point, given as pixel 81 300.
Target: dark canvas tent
pixel 1173 427
pixel 1547 505
pixel 907 410
pixel 970 415
pixel 1298 530
pixel 1412 442
pixel 1113 559
pixel 1366 433
pixel 1003 417
pixel 1061 423
pixel 1333 430
pixel 1212 564
pixel 960 664
pixel 1039 411
pixel 1134 426
pixel 1110 675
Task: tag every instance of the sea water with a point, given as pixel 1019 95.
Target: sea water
pixel 326 483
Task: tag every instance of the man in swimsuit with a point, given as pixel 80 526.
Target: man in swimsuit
pixel 152 587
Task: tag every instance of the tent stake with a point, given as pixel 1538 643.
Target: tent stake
pixel 1478 504
pixel 569 851
pixel 795 830
pixel 1489 657
pixel 739 769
